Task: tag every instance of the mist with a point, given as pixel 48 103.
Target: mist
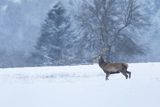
pixel 21 20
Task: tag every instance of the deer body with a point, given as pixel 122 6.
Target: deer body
pixel 114 68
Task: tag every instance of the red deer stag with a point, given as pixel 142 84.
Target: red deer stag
pixel 113 68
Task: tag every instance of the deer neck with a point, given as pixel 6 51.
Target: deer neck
pixel 102 63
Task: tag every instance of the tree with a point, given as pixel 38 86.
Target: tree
pixel 51 45
pixel 113 23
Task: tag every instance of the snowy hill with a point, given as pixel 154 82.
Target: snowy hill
pixel 79 86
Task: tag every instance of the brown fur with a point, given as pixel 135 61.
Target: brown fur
pixel 114 68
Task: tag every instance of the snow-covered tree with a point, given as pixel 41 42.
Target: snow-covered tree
pixel 114 24
pixel 51 45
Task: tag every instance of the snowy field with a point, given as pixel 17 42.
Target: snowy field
pixel 80 86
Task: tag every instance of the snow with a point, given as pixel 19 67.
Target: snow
pixel 80 86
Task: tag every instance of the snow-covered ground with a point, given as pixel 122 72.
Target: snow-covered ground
pixel 80 86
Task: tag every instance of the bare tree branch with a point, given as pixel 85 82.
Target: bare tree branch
pixel 111 19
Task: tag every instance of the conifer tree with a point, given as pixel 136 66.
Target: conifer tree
pixel 55 30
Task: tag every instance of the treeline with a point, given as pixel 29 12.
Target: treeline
pixel 99 27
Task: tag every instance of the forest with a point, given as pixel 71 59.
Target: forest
pixel 76 32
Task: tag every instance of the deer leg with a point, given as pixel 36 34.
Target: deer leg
pixel 107 75
pixel 129 73
pixel 125 74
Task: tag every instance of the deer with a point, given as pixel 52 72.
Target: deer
pixel 113 68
